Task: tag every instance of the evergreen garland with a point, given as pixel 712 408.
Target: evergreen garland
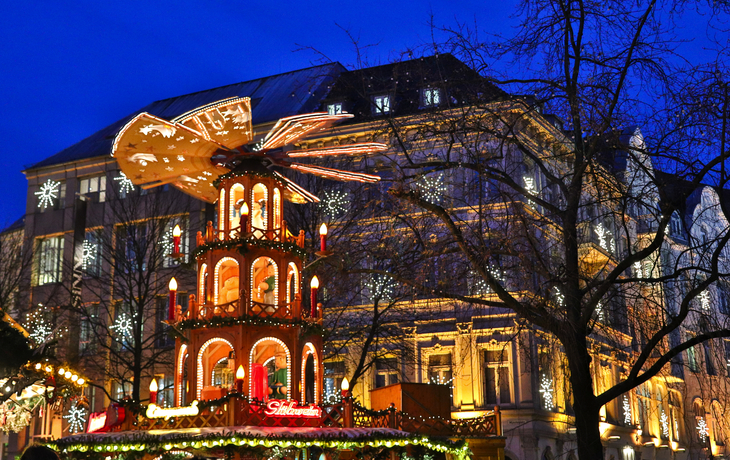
pixel 220 321
pixel 242 246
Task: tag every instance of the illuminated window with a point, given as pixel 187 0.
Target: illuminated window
pixel 439 369
pixel 430 97
pixel 692 361
pixel 48 260
pixel 264 282
pixel 496 377
pixel 121 390
pixel 381 104
pixel 386 372
pixel 643 403
pixel 237 198
pixel 259 210
pixel 334 109
pixel 93 188
pixel 334 372
pixel 166 389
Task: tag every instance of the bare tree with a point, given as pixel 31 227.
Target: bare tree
pixel 127 268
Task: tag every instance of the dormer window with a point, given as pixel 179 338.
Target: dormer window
pixel 335 108
pixel 430 97
pixel 381 104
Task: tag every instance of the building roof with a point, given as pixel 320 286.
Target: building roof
pixel 273 97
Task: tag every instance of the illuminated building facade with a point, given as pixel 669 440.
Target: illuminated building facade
pixel 484 359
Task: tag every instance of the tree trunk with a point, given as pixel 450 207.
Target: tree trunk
pixel 587 412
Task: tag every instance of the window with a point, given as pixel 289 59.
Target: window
pixel 122 390
pixel 335 108
pixel 386 372
pixel 709 359
pixel 48 260
pixel 692 357
pixel 131 248
pixel 439 369
pixel 430 97
pixel 87 343
pixel 643 402
pixel 94 188
pixel 675 414
pixel 166 390
pixel 91 263
pixel 496 377
pixel 334 372
pixel 381 104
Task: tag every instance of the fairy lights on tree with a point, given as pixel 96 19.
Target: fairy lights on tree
pixel 334 203
pixel 48 193
pixel 76 418
pixel 547 392
pixel 432 188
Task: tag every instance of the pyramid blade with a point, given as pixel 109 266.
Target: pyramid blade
pixel 294 192
pixel 334 174
pixel 227 122
pixel 290 129
pixel 364 148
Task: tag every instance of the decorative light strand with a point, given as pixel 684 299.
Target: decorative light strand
pixel 199 374
pixel 288 364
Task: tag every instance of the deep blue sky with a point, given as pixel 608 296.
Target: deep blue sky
pixel 67 69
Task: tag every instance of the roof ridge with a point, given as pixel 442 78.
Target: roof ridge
pixel 246 81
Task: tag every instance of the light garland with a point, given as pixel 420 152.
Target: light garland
pixel 334 203
pixel 76 418
pixel 125 184
pixel 47 193
pixel 432 188
pixel 199 373
pixel 547 392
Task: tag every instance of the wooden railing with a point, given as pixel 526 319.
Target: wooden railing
pixel 275 234
pixel 237 411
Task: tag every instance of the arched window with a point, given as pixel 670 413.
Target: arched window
pixel 292 282
pixel 269 370
pixel 210 355
pixel 264 282
pixel 237 198
pixel 310 366
pixel 202 284
pixel 182 375
pixel 226 281
pixel 259 211
pixel 277 209
pixel 221 213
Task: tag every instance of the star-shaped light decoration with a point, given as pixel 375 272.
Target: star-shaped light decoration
pixel 218 138
pixel 76 418
pixel 39 329
pixel 432 188
pixel 125 185
pixel 334 203
pixel 89 253
pixel 47 193
pixel 123 326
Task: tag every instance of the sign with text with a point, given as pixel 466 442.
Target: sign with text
pixel 283 408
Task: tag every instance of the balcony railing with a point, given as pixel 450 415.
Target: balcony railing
pixel 237 307
pixel 275 234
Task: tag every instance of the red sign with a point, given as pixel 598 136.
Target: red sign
pixel 283 408
pixel 97 421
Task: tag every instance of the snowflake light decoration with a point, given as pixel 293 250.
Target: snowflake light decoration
pixel 605 238
pixel 123 325
pixel 76 418
pixel 559 297
pixel 48 193
pixel 332 395
pixel 627 410
pixel 167 243
pixel 432 188
pixel 548 393
pixel 481 287
pixel 334 203
pixel 39 329
pixel 637 270
pixel 125 185
pixel 705 300
pixel 665 424
pixel 530 188
pixel 381 288
pixel 702 429
pixel 89 253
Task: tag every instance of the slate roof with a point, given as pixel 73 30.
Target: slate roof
pixel 273 97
